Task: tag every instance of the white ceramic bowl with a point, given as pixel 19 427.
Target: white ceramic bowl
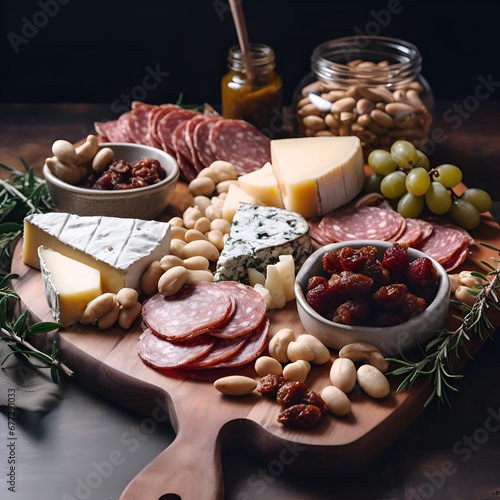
pixel 417 330
pixel 139 203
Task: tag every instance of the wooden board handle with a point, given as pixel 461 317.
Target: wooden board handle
pixel 189 469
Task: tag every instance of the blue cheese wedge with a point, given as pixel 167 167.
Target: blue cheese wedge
pixel 259 235
pixel 120 249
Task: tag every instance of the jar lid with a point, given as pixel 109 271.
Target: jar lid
pixel 330 60
pixel 262 56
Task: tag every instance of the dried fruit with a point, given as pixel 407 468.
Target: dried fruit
pixel 291 393
pixel 352 312
pixel 300 415
pixel 421 273
pixel 270 384
pixel 412 305
pixel 391 296
pixel 396 259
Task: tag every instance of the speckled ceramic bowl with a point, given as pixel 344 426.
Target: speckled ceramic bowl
pixel 140 203
pixel 417 330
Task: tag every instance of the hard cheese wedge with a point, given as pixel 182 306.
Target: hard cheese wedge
pixel 262 185
pixel 316 175
pixel 69 285
pixel 259 235
pixel 234 197
pixel 121 249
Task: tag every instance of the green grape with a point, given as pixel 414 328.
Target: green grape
pixel 448 175
pixel 464 214
pixel 422 161
pixel 410 206
pixel 381 162
pixel 479 199
pixel 438 198
pixel 372 183
pixel 404 154
pixel 393 185
pixel 418 181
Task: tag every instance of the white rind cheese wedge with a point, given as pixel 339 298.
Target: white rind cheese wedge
pixel 262 185
pixel 259 235
pixel 316 175
pixel 120 249
pixel 69 285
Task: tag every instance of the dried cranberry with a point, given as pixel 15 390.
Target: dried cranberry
pixel 396 259
pixel 421 273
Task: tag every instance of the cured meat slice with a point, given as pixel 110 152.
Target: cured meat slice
pixel 169 123
pixel 139 124
pixel 155 116
pixel 178 139
pixel 190 312
pixel 101 129
pixel 142 105
pixel 210 111
pixel 365 223
pixel 189 139
pixel 250 309
pixel 188 171
pixel 252 349
pixel 444 241
pixel 457 258
pixel 426 230
pixel 411 233
pixel 201 143
pixel 161 353
pixel 240 143
pixel 222 349
pixel 111 130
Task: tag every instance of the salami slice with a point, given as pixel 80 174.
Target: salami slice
pixel 444 241
pixel 201 143
pixel 161 353
pixel 188 171
pixel 191 311
pixel 189 138
pixel 155 116
pixel 222 349
pixel 111 130
pixel 250 309
pixel 178 139
pixel 365 223
pixel 411 234
pixel 426 230
pixel 139 124
pixel 169 123
pixel 252 349
pixel 457 258
pixel 240 143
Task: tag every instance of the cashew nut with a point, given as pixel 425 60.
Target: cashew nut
pixel 109 319
pixel 128 315
pixel 320 351
pixel 98 307
pixel 102 160
pixel 265 365
pixel 67 173
pixel 297 371
pixel 278 345
pixel 362 351
pixel 462 294
pixel 86 152
pixel 65 152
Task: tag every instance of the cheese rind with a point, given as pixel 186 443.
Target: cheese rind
pixel 69 285
pixel 259 235
pixel 120 249
pixel 263 186
pixel 316 175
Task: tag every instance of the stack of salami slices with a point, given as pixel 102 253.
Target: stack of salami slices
pixel 195 139
pixel 446 243
pixel 204 326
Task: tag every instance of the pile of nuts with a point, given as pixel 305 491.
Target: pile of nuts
pixel 297 354
pixel 75 165
pixel 378 115
pixel 197 237
pixel 461 286
pixel 108 308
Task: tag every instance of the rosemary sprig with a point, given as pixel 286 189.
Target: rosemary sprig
pixel 436 362
pixel 23 194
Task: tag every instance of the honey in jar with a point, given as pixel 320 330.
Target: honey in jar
pixel 254 96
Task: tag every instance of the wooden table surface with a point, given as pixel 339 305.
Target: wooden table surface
pixel 445 454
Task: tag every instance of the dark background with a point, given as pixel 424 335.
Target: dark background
pixel 99 51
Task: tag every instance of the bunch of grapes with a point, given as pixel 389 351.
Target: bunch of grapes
pixel 404 176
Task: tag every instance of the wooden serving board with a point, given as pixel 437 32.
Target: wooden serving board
pixel 204 420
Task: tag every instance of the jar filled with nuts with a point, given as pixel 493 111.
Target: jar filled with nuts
pixel 370 87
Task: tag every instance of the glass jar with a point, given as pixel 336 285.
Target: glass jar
pixel 370 87
pixel 254 97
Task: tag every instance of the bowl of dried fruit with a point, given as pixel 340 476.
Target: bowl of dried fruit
pixel 111 179
pixel 371 291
